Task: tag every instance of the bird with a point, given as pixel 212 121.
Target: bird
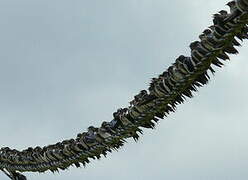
pixel 218 19
pixel 208 39
pixel 182 67
pixel 103 133
pixel 108 127
pixel 138 98
pixel 223 12
pixel 93 133
pixel 221 30
pixel 232 6
pixel 196 45
pixel 185 65
pixel 234 9
pixel 80 141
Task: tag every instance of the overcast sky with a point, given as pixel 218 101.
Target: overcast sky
pixel 66 65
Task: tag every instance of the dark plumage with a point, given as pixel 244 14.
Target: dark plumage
pixel 196 45
pixel 18 176
pixel 210 38
pixel 241 5
pixel 232 6
pixel 235 12
pixel 217 63
pixel 221 29
pixel 218 19
pixel 196 57
pixel 13 175
pixel 235 42
pixel 189 64
pixel 222 55
pixel 231 50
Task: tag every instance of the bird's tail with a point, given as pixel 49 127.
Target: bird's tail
pixel 14 175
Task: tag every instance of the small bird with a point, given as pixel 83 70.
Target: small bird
pixel 108 127
pixel 181 65
pixel 190 64
pixel 232 6
pixel 90 135
pixel 218 19
pixel 235 10
pixel 57 153
pixel 221 30
pixel 80 141
pixel 165 86
pixel 197 58
pixel 216 31
pixel 50 156
pixel 103 133
pixel 196 45
pixel 209 39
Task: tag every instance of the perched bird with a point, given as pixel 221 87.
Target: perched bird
pixel 217 32
pixel 37 154
pixel 134 112
pixel 196 45
pixel 93 133
pixel 58 154
pixel 232 6
pixel 103 133
pixel 152 85
pixel 165 86
pixel 187 64
pixel 113 124
pixel 218 19
pixel 108 127
pixel 124 120
pixel 208 39
pixel 80 141
pixel 117 119
pixel 90 136
pixel 159 91
pixel 50 156
pixel 138 98
pixel 66 148
pixel 221 30
pixel 234 9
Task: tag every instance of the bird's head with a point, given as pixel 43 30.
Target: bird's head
pixel 194 45
pixel 231 4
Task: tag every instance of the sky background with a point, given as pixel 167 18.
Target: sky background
pixel 66 65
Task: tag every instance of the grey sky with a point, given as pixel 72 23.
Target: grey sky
pixel 65 65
